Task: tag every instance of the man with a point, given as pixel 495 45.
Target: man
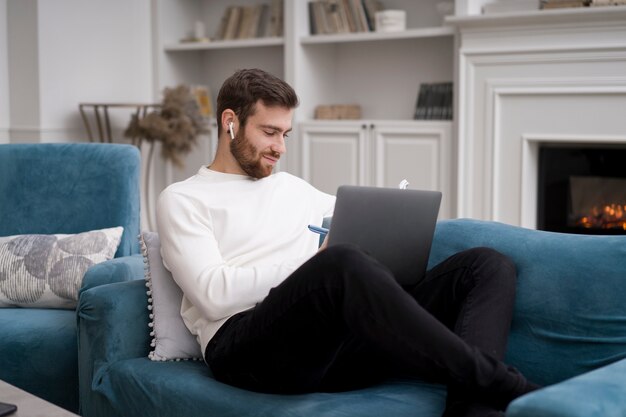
pixel 274 314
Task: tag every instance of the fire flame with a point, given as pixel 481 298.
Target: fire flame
pixel 611 216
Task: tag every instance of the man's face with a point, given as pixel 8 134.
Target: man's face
pixel 258 145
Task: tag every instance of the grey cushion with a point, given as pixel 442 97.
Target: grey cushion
pixel 171 340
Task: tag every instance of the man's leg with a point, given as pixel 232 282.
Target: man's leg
pixel 288 343
pixel 472 293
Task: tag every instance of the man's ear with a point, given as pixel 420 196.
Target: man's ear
pixel 229 122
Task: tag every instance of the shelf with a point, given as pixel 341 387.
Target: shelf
pixel 236 43
pixel 396 122
pixel 376 36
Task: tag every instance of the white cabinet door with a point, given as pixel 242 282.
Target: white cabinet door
pixel 379 153
pixel 419 152
pixel 334 154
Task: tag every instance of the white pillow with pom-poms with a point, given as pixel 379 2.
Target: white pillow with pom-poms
pixel 171 340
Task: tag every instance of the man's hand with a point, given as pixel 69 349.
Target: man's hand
pixel 324 243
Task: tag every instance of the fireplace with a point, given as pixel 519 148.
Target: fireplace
pixel 582 189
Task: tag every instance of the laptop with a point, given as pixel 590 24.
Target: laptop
pixel 395 226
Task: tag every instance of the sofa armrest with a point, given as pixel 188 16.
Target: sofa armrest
pixel 599 393
pixel 112 326
pixel 125 268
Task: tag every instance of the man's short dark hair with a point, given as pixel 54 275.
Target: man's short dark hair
pixel 241 91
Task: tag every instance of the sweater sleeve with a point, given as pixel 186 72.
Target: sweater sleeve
pixel 191 252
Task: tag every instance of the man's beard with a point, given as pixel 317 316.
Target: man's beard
pixel 249 157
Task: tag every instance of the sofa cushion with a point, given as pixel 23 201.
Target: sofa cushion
pixel 171 340
pixel 140 387
pixel 38 352
pixel 570 308
pixel 46 271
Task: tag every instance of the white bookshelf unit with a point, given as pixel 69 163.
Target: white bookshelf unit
pixel 495 62
pixel 381 72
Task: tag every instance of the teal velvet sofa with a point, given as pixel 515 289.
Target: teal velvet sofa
pixel 63 189
pixel 568 333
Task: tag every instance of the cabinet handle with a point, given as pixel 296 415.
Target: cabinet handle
pixel 363 126
pixel 372 126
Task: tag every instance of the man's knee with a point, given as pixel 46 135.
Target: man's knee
pixel 493 265
pixel 355 266
pixel 345 255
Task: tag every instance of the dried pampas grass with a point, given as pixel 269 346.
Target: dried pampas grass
pixel 176 124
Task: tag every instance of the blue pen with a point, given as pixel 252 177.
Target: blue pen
pixel 319 230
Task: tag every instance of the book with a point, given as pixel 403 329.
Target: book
pixel 346 5
pixel 331 17
pixel 338 17
pixel 313 20
pixel 430 98
pixel 221 30
pixel 446 102
pixel 371 7
pixel 361 17
pixel 319 17
pixel 245 22
pixel 275 26
pixel 558 4
pixel 596 3
pixel 232 26
pixel 420 106
pixel 263 20
pixel 252 28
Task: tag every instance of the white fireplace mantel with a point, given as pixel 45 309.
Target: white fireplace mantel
pixel 526 79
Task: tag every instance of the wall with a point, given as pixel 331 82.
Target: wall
pixel 64 52
pixel 23 68
pixel 4 76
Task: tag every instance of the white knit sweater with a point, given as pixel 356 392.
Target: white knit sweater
pixel 228 239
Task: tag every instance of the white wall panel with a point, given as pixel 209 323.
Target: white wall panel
pixel 5 115
pixel 92 51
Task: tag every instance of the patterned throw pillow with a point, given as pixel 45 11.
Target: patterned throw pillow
pixel 46 271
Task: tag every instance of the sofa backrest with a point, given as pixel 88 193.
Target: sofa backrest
pixel 70 188
pixel 570 311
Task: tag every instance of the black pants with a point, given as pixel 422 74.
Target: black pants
pixel 341 322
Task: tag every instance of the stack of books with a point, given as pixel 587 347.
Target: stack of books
pixel 597 3
pixel 342 16
pixel 255 21
pixel 560 4
pixel 434 102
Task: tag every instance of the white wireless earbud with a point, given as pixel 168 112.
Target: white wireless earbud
pixel 231 130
